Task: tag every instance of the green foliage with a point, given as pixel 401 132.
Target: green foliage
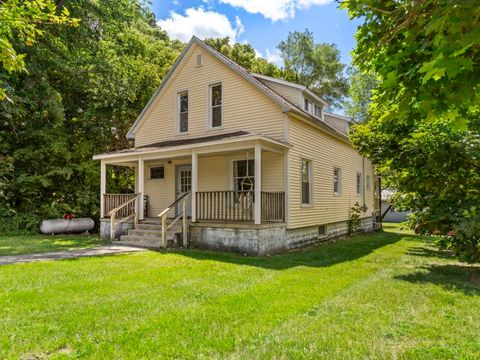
pixel 464 240
pixel 354 221
pixel 244 55
pixel 84 88
pixel 315 65
pixel 423 135
pixel 21 23
pixel 360 94
pixel 18 224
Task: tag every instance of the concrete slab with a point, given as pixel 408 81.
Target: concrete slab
pixel 69 254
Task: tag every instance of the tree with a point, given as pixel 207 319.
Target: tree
pixel 315 65
pixel 21 22
pixel 83 88
pixel 425 114
pixel 244 55
pixel 360 94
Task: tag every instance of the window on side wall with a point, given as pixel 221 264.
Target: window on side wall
pixel 359 183
pixel 216 101
pixel 368 182
pixel 183 112
pixel 306 182
pixel 337 178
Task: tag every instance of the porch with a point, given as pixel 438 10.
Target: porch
pixel 229 183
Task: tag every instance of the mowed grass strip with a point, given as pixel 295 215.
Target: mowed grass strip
pixel 34 244
pixel 384 296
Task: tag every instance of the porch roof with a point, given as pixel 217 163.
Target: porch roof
pixel 190 143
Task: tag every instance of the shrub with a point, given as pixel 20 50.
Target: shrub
pixel 19 224
pixel 354 221
pixel 464 240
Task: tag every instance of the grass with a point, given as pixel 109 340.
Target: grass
pixel 379 296
pixel 32 244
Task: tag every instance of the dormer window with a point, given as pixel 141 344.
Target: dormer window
pixel 216 101
pixel 307 105
pixel 183 112
pixel 318 111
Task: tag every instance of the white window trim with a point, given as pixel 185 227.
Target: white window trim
pixel 177 112
pixel 359 194
pixel 310 184
pixel 339 193
pixel 149 178
pixel 201 59
pixel 209 108
pixel 231 184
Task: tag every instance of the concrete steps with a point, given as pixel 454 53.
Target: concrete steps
pixel 149 234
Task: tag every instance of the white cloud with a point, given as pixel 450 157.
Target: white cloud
pixel 271 9
pixel 201 23
pixel 273 56
pixel 305 4
pixel 258 54
pixel 274 9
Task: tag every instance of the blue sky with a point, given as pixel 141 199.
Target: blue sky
pixel 262 23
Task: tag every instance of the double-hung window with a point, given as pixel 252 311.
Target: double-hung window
pixel 318 111
pixel 183 112
pixel 337 178
pixel 244 175
pixel 216 101
pixel 359 184
pixel 306 182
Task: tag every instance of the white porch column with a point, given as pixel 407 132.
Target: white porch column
pixel 103 186
pixel 141 187
pixel 258 182
pixel 194 184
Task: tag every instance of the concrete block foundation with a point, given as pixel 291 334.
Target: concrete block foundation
pixel 266 239
pixel 120 229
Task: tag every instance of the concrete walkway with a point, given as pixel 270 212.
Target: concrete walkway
pixel 68 254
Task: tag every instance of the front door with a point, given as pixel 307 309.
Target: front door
pixel 184 185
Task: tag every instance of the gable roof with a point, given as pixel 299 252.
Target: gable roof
pixel 284 104
pixel 231 64
pixel 302 88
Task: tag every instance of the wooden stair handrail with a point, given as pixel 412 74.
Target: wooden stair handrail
pixel 169 207
pixel 183 215
pixel 112 213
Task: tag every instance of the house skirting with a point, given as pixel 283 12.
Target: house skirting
pixel 266 239
pixel 120 229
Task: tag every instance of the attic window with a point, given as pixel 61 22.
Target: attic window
pixel 199 60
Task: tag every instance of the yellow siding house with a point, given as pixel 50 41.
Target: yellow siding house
pixel 228 159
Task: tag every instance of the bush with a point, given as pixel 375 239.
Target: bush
pixel 354 221
pixel 464 240
pixel 19 224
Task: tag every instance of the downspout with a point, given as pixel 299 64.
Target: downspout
pixel 363 184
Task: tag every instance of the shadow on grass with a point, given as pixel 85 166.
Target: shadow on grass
pixel 429 252
pixel 320 256
pixel 462 278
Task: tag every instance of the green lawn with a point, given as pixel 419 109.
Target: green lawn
pixel 32 244
pixel 382 296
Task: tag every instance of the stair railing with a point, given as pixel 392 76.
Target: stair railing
pixel 183 215
pixel 113 215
